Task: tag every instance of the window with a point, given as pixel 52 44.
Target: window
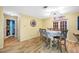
pixel 63 25
pixel 55 25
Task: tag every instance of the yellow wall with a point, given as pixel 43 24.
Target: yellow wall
pixel 1 27
pixel 72 24
pixel 47 23
pixel 26 30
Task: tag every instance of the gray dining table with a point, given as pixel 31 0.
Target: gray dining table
pixel 51 34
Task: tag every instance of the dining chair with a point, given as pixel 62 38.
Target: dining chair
pixel 44 36
pixel 63 38
pixel 41 36
pixel 52 39
pixel 77 37
pixel 56 41
pixel 50 28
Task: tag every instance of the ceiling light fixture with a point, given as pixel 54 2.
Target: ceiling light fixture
pixel 55 12
pixel 45 6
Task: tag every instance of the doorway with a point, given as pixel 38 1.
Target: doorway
pixel 10 28
pixel 10 32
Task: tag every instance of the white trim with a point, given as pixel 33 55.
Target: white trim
pixel 2 32
pixel 76 22
pixel 7 36
pixel 18 26
pixel 71 41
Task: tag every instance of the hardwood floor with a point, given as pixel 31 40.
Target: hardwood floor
pixel 10 41
pixel 35 45
pixel 14 46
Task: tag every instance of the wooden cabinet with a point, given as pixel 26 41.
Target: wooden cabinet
pixel 60 25
pixel 55 25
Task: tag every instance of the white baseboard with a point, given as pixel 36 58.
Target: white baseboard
pixel 71 41
pixel 9 36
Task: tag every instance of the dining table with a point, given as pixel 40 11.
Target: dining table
pixel 52 34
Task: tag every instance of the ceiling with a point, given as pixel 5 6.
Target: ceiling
pixel 38 11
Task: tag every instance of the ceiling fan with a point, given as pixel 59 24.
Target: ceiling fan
pixel 45 7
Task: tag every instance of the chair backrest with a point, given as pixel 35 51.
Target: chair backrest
pixel 50 28
pixel 64 34
pixel 45 33
pixel 42 31
pixel 74 34
pixel 77 36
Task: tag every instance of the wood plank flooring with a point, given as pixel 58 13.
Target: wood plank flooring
pixel 11 45
pixel 35 45
pixel 10 41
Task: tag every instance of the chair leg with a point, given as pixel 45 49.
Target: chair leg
pixel 41 38
pixel 65 45
pixel 57 44
pixel 53 42
pixel 46 42
pixel 60 46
